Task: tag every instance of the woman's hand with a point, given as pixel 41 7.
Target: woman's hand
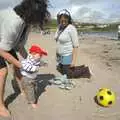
pixel 74 56
pixel 72 64
pixel 23 53
pixel 7 56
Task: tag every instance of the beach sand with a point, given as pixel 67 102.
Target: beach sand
pixel 103 58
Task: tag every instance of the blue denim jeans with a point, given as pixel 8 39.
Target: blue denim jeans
pixel 64 60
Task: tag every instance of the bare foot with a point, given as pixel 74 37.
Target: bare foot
pixel 22 93
pixel 4 112
pixel 34 105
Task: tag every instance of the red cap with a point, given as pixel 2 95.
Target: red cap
pixel 37 49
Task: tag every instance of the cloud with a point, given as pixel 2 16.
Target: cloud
pixel 96 11
pixel 4 4
pixel 96 16
pixel 87 2
pixel 7 3
pixel 81 2
pixel 85 14
pixel 82 11
pixel 113 17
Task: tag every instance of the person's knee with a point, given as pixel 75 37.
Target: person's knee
pixel 3 72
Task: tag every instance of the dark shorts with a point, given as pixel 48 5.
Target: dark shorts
pixel 3 61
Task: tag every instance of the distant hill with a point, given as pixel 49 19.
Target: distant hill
pixel 97 27
pixel 86 26
pixel 52 24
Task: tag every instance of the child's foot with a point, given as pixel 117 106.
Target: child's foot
pixel 4 112
pixel 22 93
pixel 34 105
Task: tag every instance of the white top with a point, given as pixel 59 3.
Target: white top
pixel 10 27
pixel 67 40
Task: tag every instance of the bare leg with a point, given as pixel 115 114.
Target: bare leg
pixel 17 74
pixel 3 110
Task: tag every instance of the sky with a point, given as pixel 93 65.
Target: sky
pixel 101 11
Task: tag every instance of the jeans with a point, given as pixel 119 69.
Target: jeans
pixel 64 60
pixel 64 63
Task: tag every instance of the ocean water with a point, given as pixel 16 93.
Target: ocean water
pixel 110 35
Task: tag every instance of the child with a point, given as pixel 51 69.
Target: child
pixel 29 71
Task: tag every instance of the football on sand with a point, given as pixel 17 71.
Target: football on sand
pixel 105 97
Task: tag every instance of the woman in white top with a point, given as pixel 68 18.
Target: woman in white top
pixel 67 41
pixel 14 24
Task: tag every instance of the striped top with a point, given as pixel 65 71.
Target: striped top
pixel 33 65
pixel 67 40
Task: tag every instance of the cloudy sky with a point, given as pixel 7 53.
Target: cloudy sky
pixel 82 10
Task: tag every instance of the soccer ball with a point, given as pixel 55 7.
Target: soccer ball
pixel 105 97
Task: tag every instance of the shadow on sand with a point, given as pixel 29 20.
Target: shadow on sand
pixel 42 81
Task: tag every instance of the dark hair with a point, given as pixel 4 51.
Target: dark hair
pixel 33 11
pixel 66 14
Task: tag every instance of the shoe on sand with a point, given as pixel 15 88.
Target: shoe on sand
pixel 60 77
pixel 62 86
pixel 57 82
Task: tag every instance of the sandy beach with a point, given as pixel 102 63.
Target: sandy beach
pixel 102 55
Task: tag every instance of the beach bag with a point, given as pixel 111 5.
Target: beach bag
pixel 79 72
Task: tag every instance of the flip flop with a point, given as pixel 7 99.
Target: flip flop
pixel 57 82
pixel 60 77
pixel 68 87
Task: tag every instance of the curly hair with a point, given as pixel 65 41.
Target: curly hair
pixel 33 11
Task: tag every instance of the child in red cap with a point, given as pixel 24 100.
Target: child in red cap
pixel 30 68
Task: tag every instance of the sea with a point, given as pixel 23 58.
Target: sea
pixel 110 35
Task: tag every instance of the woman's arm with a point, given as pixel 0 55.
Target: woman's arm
pixel 75 42
pixel 23 52
pixel 74 56
pixel 10 58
